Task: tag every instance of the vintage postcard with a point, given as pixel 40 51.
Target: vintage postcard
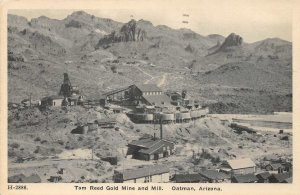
pixel 156 97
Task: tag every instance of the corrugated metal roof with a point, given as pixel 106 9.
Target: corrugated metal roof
pixel 248 178
pixel 264 175
pixel 188 178
pixel 144 171
pixel 153 148
pixel 280 177
pixel 146 143
pixel 213 174
pixel 149 144
pixel 158 100
pixel 148 87
pixel 241 163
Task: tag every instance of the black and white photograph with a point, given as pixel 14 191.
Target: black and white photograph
pixel 198 94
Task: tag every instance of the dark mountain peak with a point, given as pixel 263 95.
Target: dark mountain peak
pixel 231 41
pixel 130 31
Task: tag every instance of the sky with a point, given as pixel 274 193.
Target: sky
pixel 253 20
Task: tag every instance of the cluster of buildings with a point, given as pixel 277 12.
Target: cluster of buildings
pixel 149 104
pixel 68 96
pixel 231 171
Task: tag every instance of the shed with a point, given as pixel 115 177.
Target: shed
pixel 263 177
pixel 242 166
pixel 189 178
pixel 150 148
pixel 153 173
pixel 280 177
pixel 247 178
pixel 213 176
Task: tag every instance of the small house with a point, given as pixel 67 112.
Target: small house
pixel 247 178
pixel 81 129
pixel 55 178
pixel 106 123
pixel 275 168
pixel 150 149
pixel 213 176
pixel 153 173
pixel 241 166
pixel 55 101
pixel 189 178
pixel 280 177
pixel 263 177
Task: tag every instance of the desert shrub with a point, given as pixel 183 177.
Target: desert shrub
pixel 80 138
pixel 19 160
pixel 15 145
pixel 37 149
pixel 216 160
pixel 60 142
pixel 113 69
pixel 117 128
pixel 37 139
pixel 44 141
pixel 11 153
pixel 138 130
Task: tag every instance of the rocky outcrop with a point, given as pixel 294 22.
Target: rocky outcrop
pixel 128 32
pixel 189 48
pixel 231 40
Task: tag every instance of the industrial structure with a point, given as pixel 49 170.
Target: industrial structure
pixel 151 148
pixel 68 95
pixel 149 104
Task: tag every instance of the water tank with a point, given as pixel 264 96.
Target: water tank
pixel 183 116
pixel 167 116
pixel 147 117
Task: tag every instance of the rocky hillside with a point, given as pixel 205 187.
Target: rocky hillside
pixel 87 47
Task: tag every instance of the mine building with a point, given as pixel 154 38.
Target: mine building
pixel 153 173
pixel 239 166
pixel 149 104
pixel 147 94
pixel 152 148
pixel 68 96
pixel 53 101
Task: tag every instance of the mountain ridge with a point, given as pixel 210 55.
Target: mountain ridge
pixel 43 46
